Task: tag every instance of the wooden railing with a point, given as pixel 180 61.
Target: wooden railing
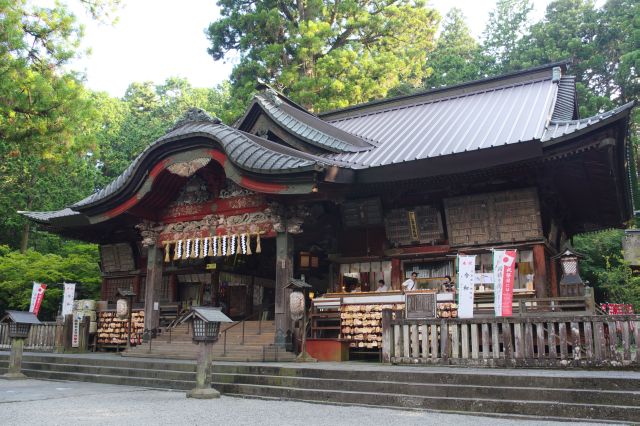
pixel 42 338
pixel 525 341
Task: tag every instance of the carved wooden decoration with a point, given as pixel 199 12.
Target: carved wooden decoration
pixel 188 168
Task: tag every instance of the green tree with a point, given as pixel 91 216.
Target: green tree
pixel 325 54
pixel 145 113
pixel 458 56
pixel 507 24
pixel 46 117
pixel 605 269
pixel 76 263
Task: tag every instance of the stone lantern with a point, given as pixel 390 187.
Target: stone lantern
pixel 571 283
pixel 298 309
pixel 19 325
pixel 206 328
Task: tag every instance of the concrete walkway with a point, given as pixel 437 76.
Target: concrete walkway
pixel 36 402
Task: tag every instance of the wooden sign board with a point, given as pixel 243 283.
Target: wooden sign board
pixel 211 266
pixel 420 305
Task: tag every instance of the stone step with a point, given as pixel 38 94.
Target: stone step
pixel 446 375
pixel 584 396
pixel 548 409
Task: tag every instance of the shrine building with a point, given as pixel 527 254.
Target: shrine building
pixel 211 214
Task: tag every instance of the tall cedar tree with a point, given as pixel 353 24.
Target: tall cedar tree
pixel 324 54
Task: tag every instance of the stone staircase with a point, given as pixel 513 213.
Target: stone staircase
pixel 177 344
pixel 558 395
pixel 110 369
pixel 603 396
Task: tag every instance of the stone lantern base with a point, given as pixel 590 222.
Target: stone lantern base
pixel 205 393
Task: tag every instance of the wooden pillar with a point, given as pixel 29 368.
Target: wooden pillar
pixel 173 288
pixel 396 273
pixel 284 273
pixel 103 289
pixel 540 270
pixel 215 287
pixel 554 277
pixel 152 288
pixel 136 287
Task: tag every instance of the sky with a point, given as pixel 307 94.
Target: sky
pixel 157 39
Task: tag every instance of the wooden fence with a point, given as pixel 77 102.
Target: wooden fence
pixel 42 338
pixel 527 341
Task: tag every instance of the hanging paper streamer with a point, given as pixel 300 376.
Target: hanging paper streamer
pixel 258 248
pixel 233 244
pixel 216 245
pixel 196 249
pixel 178 252
pixel 224 245
pixel 248 243
pixel 205 247
pixel 167 249
pixel 187 250
pixel 243 244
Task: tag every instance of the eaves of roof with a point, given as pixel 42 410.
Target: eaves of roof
pixel 560 130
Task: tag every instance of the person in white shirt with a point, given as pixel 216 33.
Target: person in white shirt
pixel 411 283
pixel 382 287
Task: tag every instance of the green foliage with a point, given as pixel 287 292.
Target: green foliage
pixel 145 113
pixel 76 262
pixel 46 116
pixel 507 24
pixel 324 54
pixel 605 269
pixel 457 57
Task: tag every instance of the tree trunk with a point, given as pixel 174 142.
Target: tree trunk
pixel 24 239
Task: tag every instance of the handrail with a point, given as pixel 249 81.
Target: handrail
pixel 262 309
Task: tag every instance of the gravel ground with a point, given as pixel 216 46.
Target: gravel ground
pixel 37 402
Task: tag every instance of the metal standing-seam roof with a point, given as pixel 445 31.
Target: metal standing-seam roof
pixel 244 150
pixel 565 108
pixel 310 128
pixel 559 128
pixel 468 122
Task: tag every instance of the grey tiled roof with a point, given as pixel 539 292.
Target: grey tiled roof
pixel 310 128
pixel 246 151
pixel 471 121
pixel 559 128
pixel 44 217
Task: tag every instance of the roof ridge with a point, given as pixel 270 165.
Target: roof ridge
pixel 495 78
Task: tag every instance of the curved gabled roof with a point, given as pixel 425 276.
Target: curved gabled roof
pixel 309 128
pixel 245 151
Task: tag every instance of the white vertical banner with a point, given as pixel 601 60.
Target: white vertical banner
pixel 34 296
pixel 67 300
pixel 466 278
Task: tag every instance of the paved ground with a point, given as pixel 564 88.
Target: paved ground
pixel 37 402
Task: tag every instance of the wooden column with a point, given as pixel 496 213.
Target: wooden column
pixel 136 287
pixel 173 288
pixel 555 291
pixel 103 289
pixel 540 270
pixel 284 273
pixel 152 287
pixel 396 273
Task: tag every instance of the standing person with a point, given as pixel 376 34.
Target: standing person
pixel 382 287
pixel 411 283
